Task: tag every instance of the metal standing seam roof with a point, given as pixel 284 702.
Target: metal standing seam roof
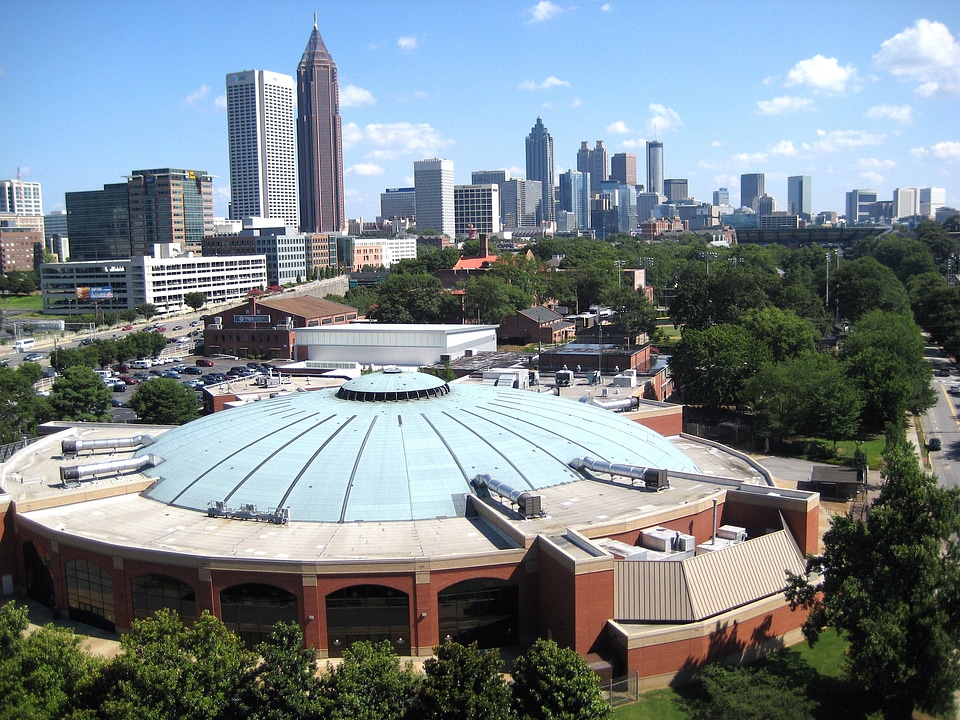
pixel 365 456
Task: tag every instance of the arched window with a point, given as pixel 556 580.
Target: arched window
pixel 484 610
pixel 251 610
pixel 154 592
pixel 90 594
pixel 368 612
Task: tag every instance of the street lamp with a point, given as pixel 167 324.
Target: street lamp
pixel 619 264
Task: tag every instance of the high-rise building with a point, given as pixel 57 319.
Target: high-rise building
pixel 575 197
pixel 476 208
pixel 931 200
pixel 655 167
pixel 623 168
pixel 859 205
pixel 398 203
pixel 594 163
pixel 766 205
pixel 752 186
pixel 721 197
pixel 319 144
pixel 798 196
pixel 169 207
pixel 520 203
pixel 262 146
pixel 647 203
pixel 489 177
pixel 906 203
pixel 21 198
pixel 676 189
pixel 540 166
pixel 98 223
pixel 433 183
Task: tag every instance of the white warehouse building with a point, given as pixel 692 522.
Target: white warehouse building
pixel 78 288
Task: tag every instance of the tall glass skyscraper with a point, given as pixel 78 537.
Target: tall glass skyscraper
pixel 433 180
pixel 752 187
pixel 262 146
pixel 540 166
pixel 575 196
pixel 319 139
pixel 655 167
pixel 798 195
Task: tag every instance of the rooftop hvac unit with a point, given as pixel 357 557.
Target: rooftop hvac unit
pixel 655 479
pixel 446 358
pixel 732 532
pixel 468 353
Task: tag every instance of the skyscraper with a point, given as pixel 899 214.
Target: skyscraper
pixel 931 200
pixel 859 205
pixel 655 167
pixel 798 195
pixel 169 207
pixel 575 197
pixel 906 203
pixel 98 223
pixel 433 181
pixel 476 208
pixel 721 196
pixel 623 168
pixel 21 198
pixel 752 186
pixel 676 189
pixel 520 203
pixel 320 162
pixel 540 166
pixel 593 163
pixel 262 147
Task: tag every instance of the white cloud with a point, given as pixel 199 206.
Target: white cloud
pixel 902 114
pixel 784 104
pixel 821 73
pixel 408 43
pixel 785 148
pixel 633 144
pixel 926 53
pixel 618 128
pixel 872 178
pixel 222 192
pixel 874 164
pixel 839 140
pixel 576 103
pixel 919 153
pixel 220 102
pixel 366 169
pixel 389 141
pixel 750 158
pixel 353 96
pixel 545 85
pixel 606 7
pixel 717 143
pixel 196 96
pixel 948 150
pixel 543 10
pixel 663 119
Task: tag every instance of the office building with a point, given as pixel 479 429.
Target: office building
pixel 21 249
pixel 931 200
pixel 433 183
pixel 489 177
pixel 161 282
pixel 521 202
pixel 539 148
pixel 655 167
pixel 623 168
pixel 262 146
pixel 98 223
pixel 594 162
pixel 676 189
pixel 476 209
pixel 575 198
pixel 55 237
pixel 171 211
pixel 766 205
pixel 798 196
pixel 647 203
pixel 319 144
pixel 859 204
pixel 21 198
pixel 906 203
pixel 396 203
pixel 752 186
pixel 721 196
pixel 627 221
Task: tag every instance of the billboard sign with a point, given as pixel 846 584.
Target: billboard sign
pixel 251 319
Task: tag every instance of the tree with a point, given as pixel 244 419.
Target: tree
pixel 862 285
pixel 782 332
pixel 139 345
pixel 168 671
pixel 554 683
pixel 283 686
pixel 463 683
pixel 146 310
pixel 891 585
pixel 409 298
pixel 21 410
pixel 635 315
pixel 80 394
pixel 163 401
pixel 370 684
pixel 491 299
pixel 195 300
pixel 745 694
pixel 41 674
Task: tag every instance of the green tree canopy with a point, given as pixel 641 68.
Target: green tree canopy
pixel 554 683
pixel 862 285
pixel 163 401
pixel 746 694
pixel 80 394
pixel 147 310
pixel 370 684
pixel 491 299
pixel 782 332
pixel 21 410
pixel 195 300
pixel 891 585
pixel 463 683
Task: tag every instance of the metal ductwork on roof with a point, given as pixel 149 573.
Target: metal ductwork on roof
pixel 72 446
pixel 528 504
pixel 622 405
pixel 653 478
pixel 75 473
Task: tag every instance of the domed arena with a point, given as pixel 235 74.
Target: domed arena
pixel 402 507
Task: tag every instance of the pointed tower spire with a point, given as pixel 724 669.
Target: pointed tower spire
pixel 315 20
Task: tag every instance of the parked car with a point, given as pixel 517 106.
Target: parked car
pixel 119 386
pixel 192 371
pixel 170 374
pixel 129 380
pixel 122 368
pixel 118 403
pixel 933 443
pixel 179 368
pixel 142 376
pixel 178 327
pixel 203 362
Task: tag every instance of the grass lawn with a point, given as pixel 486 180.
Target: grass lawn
pixel 817 667
pixel 26 302
pixel 872 446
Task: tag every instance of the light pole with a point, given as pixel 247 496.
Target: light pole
pixel 619 264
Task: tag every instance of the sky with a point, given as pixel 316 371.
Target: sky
pixel 854 94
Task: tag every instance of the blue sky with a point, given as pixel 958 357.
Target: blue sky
pixel 855 94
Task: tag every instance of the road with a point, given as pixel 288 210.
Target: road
pixel 941 421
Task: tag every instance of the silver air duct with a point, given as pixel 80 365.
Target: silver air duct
pixel 652 478
pixel 72 446
pixel 528 504
pixel 76 473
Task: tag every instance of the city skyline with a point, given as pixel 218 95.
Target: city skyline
pixel 870 108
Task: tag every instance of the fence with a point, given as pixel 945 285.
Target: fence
pixel 622 690
pixel 7 451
